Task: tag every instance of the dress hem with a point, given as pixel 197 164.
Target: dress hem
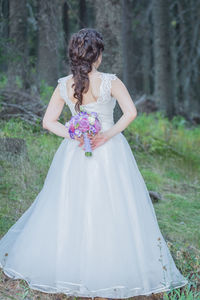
pixel 117 291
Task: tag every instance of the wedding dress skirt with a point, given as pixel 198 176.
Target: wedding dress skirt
pixel 92 230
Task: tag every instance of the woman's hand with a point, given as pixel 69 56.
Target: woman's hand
pixel 81 139
pixel 98 140
pixel 95 140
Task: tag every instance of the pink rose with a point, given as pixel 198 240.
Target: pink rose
pixel 71 128
pixel 84 125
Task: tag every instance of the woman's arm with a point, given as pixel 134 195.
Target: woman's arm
pixel 120 92
pixel 51 116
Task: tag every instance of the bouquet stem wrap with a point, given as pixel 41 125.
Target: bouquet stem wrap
pixel 87 145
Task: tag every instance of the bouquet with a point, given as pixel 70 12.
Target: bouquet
pixel 82 124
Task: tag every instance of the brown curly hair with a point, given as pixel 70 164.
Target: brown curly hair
pixel 85 46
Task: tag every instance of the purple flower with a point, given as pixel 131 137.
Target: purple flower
pixel 72 135
pixel 78 132
pixel 71 128
pixel 92 130
pixel 84 125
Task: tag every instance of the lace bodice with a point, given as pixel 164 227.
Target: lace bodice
pixel 103 106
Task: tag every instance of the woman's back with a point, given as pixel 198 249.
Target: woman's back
pixel 98 97
pixel 93 92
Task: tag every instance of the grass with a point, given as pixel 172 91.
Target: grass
pixel 170 167
pixel 168 156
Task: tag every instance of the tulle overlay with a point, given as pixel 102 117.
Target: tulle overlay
pixel 92 230
pixel 96 239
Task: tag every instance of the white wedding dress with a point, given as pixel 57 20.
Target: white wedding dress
pixel 92 230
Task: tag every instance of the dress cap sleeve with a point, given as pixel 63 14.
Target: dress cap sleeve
pixel 62 84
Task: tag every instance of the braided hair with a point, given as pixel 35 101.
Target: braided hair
pixel 85 46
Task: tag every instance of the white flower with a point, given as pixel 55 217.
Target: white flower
pixel 169 244
pixel 178 254
pixel 91 120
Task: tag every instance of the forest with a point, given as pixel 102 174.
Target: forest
pixel 153 46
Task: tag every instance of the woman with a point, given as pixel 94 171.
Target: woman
pixel 92 230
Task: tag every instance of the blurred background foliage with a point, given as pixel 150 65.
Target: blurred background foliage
pixel 153 46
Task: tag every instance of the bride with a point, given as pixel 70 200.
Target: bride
pixel 92 230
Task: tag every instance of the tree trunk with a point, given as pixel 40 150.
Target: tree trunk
pixel 66 36
pixel 4 10
pixel 65 21
pixel 147 57
pixel 109 24
pixel 50 40
pixel 162 57
pixel 18 52
pixel 82 14
pixel 127 43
